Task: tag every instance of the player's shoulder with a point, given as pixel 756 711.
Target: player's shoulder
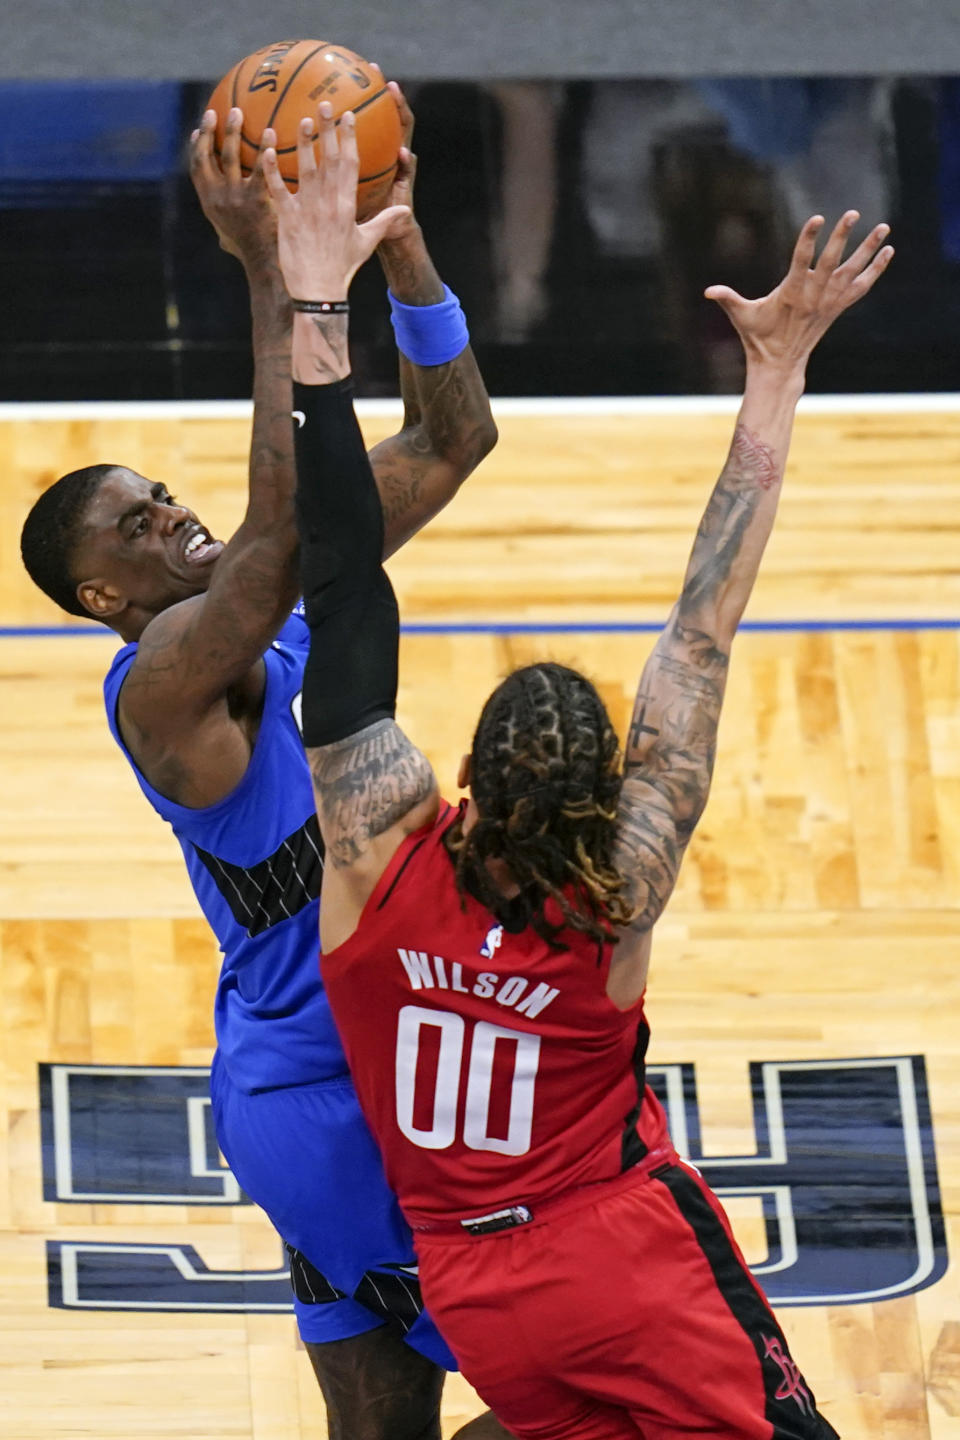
pixel 422 858
pixel 159 641
pixel 155 692
pixel 429 840
pixel 120 665
pixel 436 832
pixel 142 679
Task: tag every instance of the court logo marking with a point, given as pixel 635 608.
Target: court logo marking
pixel 844 1170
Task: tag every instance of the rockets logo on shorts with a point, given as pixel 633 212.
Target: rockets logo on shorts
pixel 492 943
pixel 792 1386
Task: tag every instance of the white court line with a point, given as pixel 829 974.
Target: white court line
pixel 947 403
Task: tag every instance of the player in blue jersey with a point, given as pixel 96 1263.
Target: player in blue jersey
pixel 203 699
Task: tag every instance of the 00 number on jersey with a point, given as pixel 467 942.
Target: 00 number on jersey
pixel 498 1107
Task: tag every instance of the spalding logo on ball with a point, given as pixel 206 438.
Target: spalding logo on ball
pixel 280 84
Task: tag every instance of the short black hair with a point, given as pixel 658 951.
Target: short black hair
pixel 51 532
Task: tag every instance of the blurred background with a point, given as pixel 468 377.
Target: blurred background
pixel 579 186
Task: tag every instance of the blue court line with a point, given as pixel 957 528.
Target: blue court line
pixel 547 627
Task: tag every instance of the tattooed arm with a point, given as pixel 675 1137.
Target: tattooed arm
pixel 673 731
pixel 173 707
pixel 371 790
pixel 371 786
pixel 190 707
pixel 447 424
pixel 671 743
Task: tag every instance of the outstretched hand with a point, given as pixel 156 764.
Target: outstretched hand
pixel 783 327
pixel 237 206
pixel 321 246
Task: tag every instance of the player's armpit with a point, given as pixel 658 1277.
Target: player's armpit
pixel 629 967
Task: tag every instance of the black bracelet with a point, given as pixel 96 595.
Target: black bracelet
pixel 321 307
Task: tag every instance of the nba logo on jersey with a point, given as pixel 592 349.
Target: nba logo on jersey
pixel 492 943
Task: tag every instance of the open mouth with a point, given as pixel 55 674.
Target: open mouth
pixel 200 548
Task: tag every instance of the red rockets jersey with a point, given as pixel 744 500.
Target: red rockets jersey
pixel 492 1070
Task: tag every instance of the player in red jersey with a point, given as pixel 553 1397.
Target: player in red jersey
pixel 486 965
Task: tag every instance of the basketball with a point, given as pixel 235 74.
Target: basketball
pixel 280 84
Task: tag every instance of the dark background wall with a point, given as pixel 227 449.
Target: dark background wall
pixel 586 168
pixel 477 39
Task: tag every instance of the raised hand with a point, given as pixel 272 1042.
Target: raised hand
pixel 321 246
pixel 238 207
pixel 782 328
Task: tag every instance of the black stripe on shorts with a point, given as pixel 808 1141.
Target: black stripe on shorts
pixel 392 1293
pixel 309 1286
pixel 791 1408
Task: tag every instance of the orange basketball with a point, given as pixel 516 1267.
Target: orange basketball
pixel 280 84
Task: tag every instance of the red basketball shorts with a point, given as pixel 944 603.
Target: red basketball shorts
pixel 621 1310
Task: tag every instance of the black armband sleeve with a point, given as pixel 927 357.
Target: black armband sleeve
pixel 350 679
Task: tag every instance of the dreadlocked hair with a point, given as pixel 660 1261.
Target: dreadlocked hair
pixel 52 530
pixel 545 775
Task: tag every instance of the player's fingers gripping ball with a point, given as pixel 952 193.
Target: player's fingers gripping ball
pixel 280 84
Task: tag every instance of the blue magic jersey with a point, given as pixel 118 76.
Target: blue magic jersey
pixel 255 862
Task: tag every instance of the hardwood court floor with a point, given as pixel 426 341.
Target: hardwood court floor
pixel 816 917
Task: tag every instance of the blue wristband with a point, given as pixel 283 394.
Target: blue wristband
pixel 429 334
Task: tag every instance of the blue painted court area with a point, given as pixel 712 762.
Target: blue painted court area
pixel 844 1168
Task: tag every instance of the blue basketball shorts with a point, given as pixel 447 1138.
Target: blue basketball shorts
pixel 305 1156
